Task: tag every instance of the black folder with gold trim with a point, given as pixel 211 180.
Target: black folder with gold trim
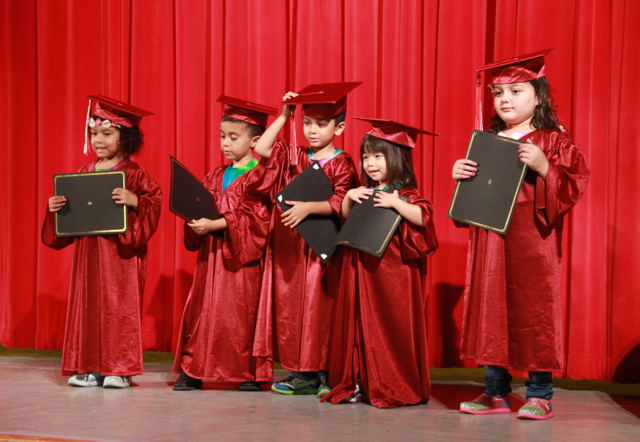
pixel 487 200
pixel 320 232
pixel 369 228
pixel 90 209
pixel 189 199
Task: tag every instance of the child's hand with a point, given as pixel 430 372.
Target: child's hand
pixel 201 226
pixel 384 199
pixel 463 169
pixel 296 214
pixel 287 110
pixel 126 197
pixel 56 203
pixel 534 157
pixel 361 193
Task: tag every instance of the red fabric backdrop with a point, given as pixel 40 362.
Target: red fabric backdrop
pixel 417 60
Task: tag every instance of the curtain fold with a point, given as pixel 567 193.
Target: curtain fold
pixel 417 60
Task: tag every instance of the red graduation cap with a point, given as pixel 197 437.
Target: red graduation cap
pixel 395 132
pixel 113 111
pixel 518 69
pixel 243 110
pixel 116 111
pixel 324 100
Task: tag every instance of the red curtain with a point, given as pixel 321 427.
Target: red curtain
pixel 417 60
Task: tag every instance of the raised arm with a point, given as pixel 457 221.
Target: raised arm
pixel 265 143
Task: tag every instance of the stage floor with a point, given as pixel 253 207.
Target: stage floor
pixel 35 401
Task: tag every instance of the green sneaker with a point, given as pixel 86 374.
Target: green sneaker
pixel 485 404
pixel 293 385
pixel 323 390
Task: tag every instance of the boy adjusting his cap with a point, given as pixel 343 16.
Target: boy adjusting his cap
pixel 296 303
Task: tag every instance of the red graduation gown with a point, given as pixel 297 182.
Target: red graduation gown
pixel 296 302
pixel 218 323
pixel 103 330
pixel 512 314
pixel 380 325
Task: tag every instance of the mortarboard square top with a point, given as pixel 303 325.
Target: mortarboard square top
pixel 116 111
pixel 394 132
pixel 517 70
pixel 243 110
pixel 325 100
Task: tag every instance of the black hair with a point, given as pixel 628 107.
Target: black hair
pixel 253 129
pixel 544 114
pixel 400 172
pixel 339 118
pixel 131 139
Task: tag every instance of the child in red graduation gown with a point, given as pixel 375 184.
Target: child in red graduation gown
pixel 103 344
pixel 379 348
pixel 218 323
pixel 512 317
pixel 298 290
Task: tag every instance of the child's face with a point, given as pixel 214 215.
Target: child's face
pixel 235 141
pixel 320 132
pixel 515 103
pixel 375 166
pixel 104 141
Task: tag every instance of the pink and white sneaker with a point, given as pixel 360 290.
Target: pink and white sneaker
pixel 536 409
pixel 485 404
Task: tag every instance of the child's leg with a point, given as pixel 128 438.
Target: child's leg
pixel 539 394
pixel 497 381
pixel 540 385
pixel 495 398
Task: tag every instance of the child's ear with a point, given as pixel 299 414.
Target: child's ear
pixel 254 141
pixel 339 128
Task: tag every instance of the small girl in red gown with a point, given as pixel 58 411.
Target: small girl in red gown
pixel 103 336
pixel 512 317
pixel 379 348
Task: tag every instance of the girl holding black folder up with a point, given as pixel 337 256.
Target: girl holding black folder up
pixel 379 348
pixel 512 315
pixel 103 335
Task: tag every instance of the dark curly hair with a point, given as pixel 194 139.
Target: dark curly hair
pixel 400 172
pixel 544 115
pixel 131 139
pixel 253 129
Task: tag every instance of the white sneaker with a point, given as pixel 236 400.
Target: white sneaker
pixel 93 379
pixel 357 396
pixel 117 382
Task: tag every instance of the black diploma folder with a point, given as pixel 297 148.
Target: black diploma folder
pixel 90 209
pixel 189 198
pixel 320 232
pixel 487 199
pixel 370 228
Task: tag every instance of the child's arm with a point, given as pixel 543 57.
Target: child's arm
pixel 410 212
pixel 463 169
pixel 265 142
pixel 534 157
pixel 203 226
pixel 126 197
pixel 302 209
pixel 354 196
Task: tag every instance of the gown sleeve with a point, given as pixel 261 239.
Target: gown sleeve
pixel 566 181
pixel 247 224
pixel 416 241
pixel 142 225
pixel 345 178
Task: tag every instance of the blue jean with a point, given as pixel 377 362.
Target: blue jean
pixel 498 383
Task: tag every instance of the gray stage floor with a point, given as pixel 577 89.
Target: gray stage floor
pixel 35 400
